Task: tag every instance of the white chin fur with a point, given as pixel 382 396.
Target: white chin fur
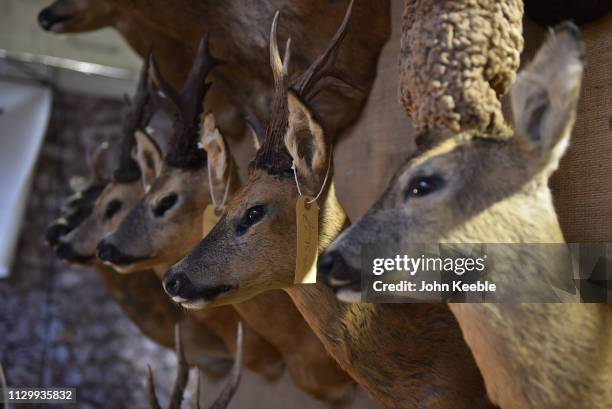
pixel 194 304
pixel 349 296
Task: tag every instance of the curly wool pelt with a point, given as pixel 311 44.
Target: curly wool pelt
pixel 457 59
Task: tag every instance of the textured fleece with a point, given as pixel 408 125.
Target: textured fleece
pixel 457 59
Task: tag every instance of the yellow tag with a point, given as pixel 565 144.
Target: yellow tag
pixel 307 222
pixel 210 220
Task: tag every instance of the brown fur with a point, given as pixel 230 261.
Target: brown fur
pixel 531 356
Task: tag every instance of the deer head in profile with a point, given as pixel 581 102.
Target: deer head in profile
pixel 120 193
pixel 252 248
pixel 472 188
pixel 168 218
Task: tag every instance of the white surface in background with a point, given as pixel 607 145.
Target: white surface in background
pixel 23 122
pixel 19 32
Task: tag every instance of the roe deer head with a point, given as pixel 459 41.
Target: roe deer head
pixel 472 188
pixel 494 189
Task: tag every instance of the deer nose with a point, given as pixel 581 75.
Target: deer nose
pixel 107 251
pixel 178 284
pixel 54 232
pixel 46 19
pixel 65 251
pixel 335 271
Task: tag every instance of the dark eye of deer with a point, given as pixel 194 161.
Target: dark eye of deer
pixel 112 208
pixel 252 216
pixel 423 185
pixel 165 204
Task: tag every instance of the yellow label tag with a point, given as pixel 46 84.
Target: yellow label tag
pixel 307 223
pixel 210 220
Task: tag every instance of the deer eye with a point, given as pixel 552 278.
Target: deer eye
pixel 165 204
pixel 423 185
pixel 112 208
pixel 253 215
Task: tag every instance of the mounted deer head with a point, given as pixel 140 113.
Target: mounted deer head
pixel 494 189
pixel 249 250
pixel 125 188
pixel 474 188
pixel 168 219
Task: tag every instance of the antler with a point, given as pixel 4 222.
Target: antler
pixel 187 105
pixel 182 376
pixel 322 72
pixel 272 154
pixel 137 116
pixel 280 67
pixel 228 392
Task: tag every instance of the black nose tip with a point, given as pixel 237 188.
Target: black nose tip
pixel 325 264
pixel 54 232
pixel 333 266
pixel 64 250
pixel 46 18
pixel 107 251
pixel 175 284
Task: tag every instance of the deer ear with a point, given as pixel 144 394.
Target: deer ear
pixel 305 139
pixel 97 163
pixel 148 156
pixel 213 143
pixel 546 93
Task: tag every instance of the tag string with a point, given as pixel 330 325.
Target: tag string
pixel 212 190
pixel 297 183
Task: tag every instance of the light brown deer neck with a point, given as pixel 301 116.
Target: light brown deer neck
pixel 406 356
pixel 511 340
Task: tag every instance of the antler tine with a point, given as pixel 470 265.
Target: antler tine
pixel 162 92
pixel 139 111
pixel 153 402
pixel 280 67
pixel 182 375
pixel 230 389
pixel 195 87
pixel 321 72
pixel 197 397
